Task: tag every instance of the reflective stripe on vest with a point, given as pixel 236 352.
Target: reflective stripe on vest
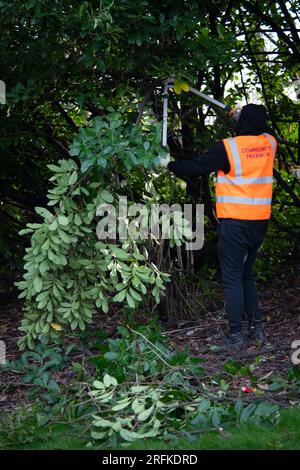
pixel 236 157
pixel 246 191
pixel 272 142
pixel 240 180
pixel 257 201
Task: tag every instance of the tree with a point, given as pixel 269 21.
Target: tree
pixel 66 64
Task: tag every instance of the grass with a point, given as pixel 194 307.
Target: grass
pixel 284 436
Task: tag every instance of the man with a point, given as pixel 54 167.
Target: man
pixel 244 166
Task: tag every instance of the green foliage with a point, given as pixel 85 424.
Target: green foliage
pixel 37 367
pixel 146 391
pixel 18 428
pixel 96 55
pixel 112 55
pixel 114 143
pixel 122 401
pixel 69 436
pixel 144 351
pixel 69 272
pixel 129 412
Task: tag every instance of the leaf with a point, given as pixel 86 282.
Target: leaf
pixel 238 407
pixel 185 86
pixel 123 331
pixel 108 380
pixel 104 305
pixel 135 294
pixel 98 435
pixel 120 296
pixel 63 220
pixel 85 262
pixel 86 165
pixel 177 87
pixel 63 236
pixel 130 300
pixel 25 231
pixel 77 220
pixel 54 168
pixel 145 414
pixel 73 178
pixel 56 326
pixel 128 436
pixel 204 405
pixel 46 244
pixel 53 226
pixel 37 284
pixel 136 406
pixel 44 213
pixel 119 253
pixel 111 355
pixel 180 85
pixel 102 423
pixel 215 418
pixel 139 256
pixel 121 406
pixel 99 385
pixel 107 196
pixel 43 295
pixel 246 413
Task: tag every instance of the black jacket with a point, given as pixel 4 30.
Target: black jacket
pixel 252 121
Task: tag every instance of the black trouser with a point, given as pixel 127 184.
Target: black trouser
pixel 239 241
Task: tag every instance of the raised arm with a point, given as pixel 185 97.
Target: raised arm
pixel 213 160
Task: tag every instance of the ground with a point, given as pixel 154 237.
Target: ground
pixel 280 301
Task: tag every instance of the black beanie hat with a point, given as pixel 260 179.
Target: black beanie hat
pixel 253 117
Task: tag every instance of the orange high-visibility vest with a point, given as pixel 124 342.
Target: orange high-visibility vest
pixel 246 191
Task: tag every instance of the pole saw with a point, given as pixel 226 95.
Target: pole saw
pixel 170 84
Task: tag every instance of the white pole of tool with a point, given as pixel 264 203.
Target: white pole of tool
pixel 169 83
pixel 165 113
pixel 208 98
